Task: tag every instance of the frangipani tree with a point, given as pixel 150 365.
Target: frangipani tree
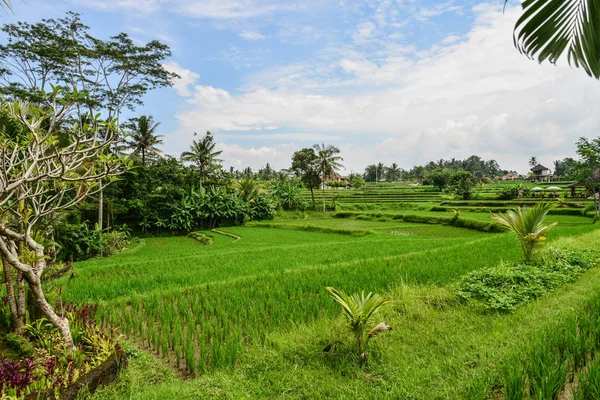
pixel 50 165
pixel 549 28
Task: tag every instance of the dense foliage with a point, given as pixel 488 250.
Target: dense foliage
pixel 506 287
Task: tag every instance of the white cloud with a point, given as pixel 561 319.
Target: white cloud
pixel 231 9
pixel 187 78
pixel 364 31
pixel 249 35
pixel 473 95
pixel 115 5
pixel 451 39
pixel 210 9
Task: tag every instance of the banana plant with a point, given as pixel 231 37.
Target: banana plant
pixel 528 226
pixel 358 309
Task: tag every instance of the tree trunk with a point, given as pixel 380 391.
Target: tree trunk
pixel 100 204
pixel 143 157
pixel 312 195
pixel 18 323
pixel 323 193
pixel 201 175
pixel 32 275
pixel 596 205
pixel 21 296
pixel 60 323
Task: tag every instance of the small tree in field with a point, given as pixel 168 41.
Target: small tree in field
pixel 462 183
pixel 358 309
pixel 528 225
pixel 48 162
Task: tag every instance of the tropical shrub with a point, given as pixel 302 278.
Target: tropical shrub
pixel 49 365
pixel 337 184
pixel 462 183
pixel 509 192
pixel 356 181
pixel 506 287
pixel 201 237
pixel 216 206
pixel 439 178
pixel 79 242
pixel 358 309
pixel 19 344
pixel 288 194
pixel 527 225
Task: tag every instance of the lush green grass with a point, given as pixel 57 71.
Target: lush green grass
pixel 201 305
pixel 165 263
pixel 237 310
pixel 439 349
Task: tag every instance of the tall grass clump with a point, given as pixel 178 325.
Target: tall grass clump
pixel 557 356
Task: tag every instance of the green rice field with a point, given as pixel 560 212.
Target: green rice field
pixel 236 316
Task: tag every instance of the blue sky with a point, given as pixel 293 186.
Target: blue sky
pixel 402 81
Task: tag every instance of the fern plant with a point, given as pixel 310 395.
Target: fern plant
pixel 528 225
pixel 358 309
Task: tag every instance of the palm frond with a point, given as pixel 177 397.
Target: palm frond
pixel 528 225
pixel 7 5
pixel 548 28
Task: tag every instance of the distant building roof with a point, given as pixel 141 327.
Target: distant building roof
pixel 539 168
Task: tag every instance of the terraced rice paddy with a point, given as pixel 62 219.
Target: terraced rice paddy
pixel 238 314
pixel 203 304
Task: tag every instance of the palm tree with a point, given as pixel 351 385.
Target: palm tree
pixel 548 28
pixel 527 225
pixel 203 154
pixel 359 308
pixel 327 163
pixel 143 138
pixel 393 170
pixel 533 162
pixel 247 173
pixel 379 171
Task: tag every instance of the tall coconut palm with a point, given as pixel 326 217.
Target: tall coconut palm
pixel 548 28
pixel 533 162
pixel 143 139
pixel 393 170
pixel 327 163
pixel 203 154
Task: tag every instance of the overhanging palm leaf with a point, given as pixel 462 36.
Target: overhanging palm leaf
pixel 527 225
pixel 549 27
pixel 6 4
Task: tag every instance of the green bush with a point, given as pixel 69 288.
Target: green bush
pixel 509 192
pixel 80 242
pixel 201 237
pixel 19 344
pixel 506 287
pixel 337 184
